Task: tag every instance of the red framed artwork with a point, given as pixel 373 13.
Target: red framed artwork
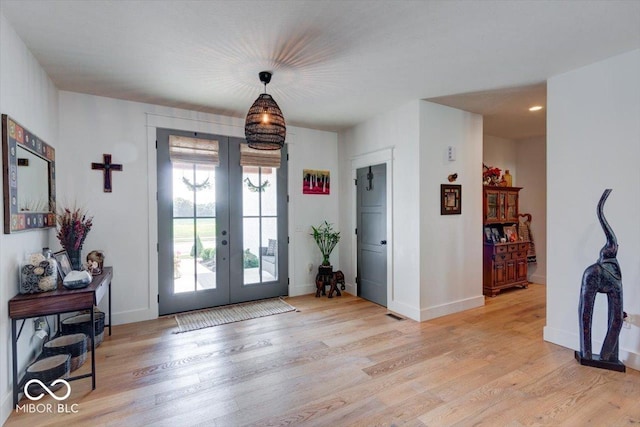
pixel 316 182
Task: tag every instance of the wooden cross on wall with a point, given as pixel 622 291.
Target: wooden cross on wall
pixel 106 167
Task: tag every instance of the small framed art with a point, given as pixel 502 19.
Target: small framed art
pixel 488 235
pixel 450 199
pixel 64 263
pixel 316 182
pixel 511 233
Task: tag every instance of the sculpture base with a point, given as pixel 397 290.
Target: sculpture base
pixel 595 362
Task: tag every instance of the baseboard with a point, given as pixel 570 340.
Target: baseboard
pixel 405 310
pixel 538 278
pixel 6 407
pixel 132 316
pixel 451 308
pixel 351 289
pixel 305 289
pixel 572 342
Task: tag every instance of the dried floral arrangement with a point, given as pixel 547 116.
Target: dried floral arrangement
pixel 73 227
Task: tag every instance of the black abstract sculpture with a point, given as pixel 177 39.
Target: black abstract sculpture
pixel 602 277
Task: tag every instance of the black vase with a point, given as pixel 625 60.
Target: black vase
pixel 75 259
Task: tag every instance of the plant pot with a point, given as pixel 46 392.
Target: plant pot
pixel 74 258
pixel 325 270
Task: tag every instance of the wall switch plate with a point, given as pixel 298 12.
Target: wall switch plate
pixel 451 153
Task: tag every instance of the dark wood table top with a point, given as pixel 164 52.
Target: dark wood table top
pixel 61 300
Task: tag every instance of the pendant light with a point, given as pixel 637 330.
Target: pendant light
pixel 264 128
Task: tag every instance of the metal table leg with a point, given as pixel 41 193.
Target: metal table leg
pixel 93 350
pixel 14 351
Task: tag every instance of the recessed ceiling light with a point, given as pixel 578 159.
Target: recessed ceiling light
pixel 536 108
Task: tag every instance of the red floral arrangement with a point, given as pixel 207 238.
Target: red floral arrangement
pixel 490 172
pixel 74 227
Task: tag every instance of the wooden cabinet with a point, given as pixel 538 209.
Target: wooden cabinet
pixel 500 205
pixel 504 264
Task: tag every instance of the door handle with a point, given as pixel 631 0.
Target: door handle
pixel 383 242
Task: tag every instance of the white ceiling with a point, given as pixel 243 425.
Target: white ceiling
pixel 335 63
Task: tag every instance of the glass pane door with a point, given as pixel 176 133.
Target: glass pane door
pixel 261 208
pixel 260 225
pixel 193 219
pixel 194 227
pixel 222 228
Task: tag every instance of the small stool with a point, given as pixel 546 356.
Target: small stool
pixel 325 277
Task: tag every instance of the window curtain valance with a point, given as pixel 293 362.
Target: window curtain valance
pixel 193 150
pixel 205 151
pixel 261 158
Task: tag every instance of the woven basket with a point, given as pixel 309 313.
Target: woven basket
pixel 74 345
pixel 48 370
pixel 80 324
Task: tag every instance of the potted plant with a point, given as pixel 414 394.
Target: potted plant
pixel 326 239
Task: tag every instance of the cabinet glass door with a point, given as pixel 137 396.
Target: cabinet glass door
pixel 492 206
pixel 502 209
pixel 512 207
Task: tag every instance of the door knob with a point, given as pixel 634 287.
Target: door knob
pixel 383 242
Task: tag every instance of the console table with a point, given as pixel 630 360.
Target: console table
pixel 62 300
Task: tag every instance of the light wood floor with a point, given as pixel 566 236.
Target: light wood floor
pixel 343 361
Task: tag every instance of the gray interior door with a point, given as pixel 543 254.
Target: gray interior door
pixel 222 233
pixel 371 210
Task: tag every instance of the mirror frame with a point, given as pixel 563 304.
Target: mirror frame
pixel 14 221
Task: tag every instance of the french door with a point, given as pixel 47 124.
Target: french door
pixel 222 222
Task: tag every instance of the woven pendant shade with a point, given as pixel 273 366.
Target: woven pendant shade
pixel 264 128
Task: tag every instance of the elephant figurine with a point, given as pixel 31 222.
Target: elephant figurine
pixel 605 277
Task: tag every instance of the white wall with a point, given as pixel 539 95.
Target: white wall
pixel 310 149
pixel 450 245
pixel 28 96
pixel 593 122
pixel 501 153
pixel 397 131
pixel 125 220
pixel 437 261
pixel 531 159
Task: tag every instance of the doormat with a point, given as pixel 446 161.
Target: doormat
pixel 230 313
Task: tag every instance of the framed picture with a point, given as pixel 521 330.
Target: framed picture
pixel 316 182
pixel 64 264
pixel 496 235
pixel 488 235
pixel 511 233
pixel 450 199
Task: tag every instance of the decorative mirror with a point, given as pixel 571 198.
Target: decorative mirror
pixel 29 178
